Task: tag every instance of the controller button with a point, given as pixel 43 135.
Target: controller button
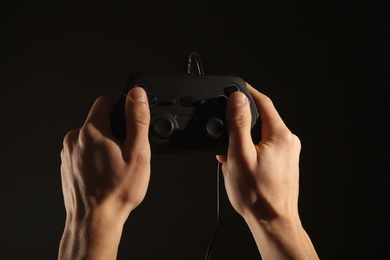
pixel 221 102
pixel 163 126
pixel 172 101
pixel 187 101
pixel 230 89
pixel 152 99
pixel 214 128
pixel 169 102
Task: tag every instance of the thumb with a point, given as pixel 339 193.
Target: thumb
pixel 239 122
pixel 137 116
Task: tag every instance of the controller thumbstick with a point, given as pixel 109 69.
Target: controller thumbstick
pixel 163 126
pixel 214 128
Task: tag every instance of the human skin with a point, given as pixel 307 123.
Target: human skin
pixel 262 180
pixel 104 179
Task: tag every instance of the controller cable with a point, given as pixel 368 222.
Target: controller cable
pixel 194 56
pixel 217 225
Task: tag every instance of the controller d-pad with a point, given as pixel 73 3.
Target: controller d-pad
pixel 214 128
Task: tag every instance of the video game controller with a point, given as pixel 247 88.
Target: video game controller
pixel 188 112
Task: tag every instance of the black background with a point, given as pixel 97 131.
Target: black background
pixel 323 63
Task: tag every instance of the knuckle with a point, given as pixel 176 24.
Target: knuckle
pixel 287 137
pixel 99 100
pixel 142 120
pixel 139 115
pixel 139 120
pixel 290 140
pixel 297 142
pixel 139 154
pixel 104 102
pixel 88 134
pixel 62 155
pixel 102 99
pixel 267 100
pixel 241 121
pixel 70 139
pixel 143 157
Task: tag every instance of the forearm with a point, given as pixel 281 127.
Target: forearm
pixel 281 239
pixel 90 238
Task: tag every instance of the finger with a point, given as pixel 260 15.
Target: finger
pixel 137 117
pixel 99 115
pixel 221 158
pixel 271 122
pixel 239 122
pixel 70 140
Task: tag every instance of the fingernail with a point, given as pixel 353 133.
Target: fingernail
pixel 137 94
pixel 240 100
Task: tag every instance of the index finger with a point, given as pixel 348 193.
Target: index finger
pixel 99 115
pixel 271 122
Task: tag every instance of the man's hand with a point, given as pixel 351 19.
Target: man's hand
pixel 262 180
pixel 104 179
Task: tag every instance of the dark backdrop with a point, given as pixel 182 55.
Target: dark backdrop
pixel 322 62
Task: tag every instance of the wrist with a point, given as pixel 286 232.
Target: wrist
pixel 281 238
pixel 95 235
pixel 276 225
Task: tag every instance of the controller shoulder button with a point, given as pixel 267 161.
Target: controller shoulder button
pixel 230 89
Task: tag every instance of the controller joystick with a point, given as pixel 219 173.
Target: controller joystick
pixel 163 125
pixel 214 128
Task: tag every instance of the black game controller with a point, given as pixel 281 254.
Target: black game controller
pixel 187 111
